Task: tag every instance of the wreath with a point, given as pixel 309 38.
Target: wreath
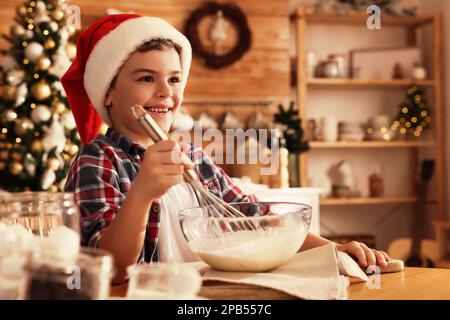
pixel 233 14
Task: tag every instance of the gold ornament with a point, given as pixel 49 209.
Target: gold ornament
pixel 58 15
pixel 49 44
pixel 103 128
pixel 8 116
pixel 71 149
pixel 41 90
pixel 36 146
pixel 16 156
pixel 53 188
pixel 22 11
pixel 71 50
pixel 15 77
pixel 16 168
pixel 71 30
pixel 43 63
pixel 74 150
pixel 9 93
pixel 18 31
pixel 53 163
pixel 58 106
pixel 2 166
pixel 4 155
pixel 22 126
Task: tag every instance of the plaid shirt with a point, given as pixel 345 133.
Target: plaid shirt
pixel 101 175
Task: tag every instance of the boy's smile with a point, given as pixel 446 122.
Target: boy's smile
pixel 152 80
pixel 159 110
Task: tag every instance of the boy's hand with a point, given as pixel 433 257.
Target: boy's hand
pixel 366 256
pixel 161 168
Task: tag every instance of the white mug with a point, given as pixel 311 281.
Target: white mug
pixel 330 129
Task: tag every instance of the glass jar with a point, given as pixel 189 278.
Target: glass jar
pixel 88 277
pixel 26 217
pixel 331 69
pixel 163 281
pixel 339 60
pixel 40 212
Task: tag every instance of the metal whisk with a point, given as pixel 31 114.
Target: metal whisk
pixel 211 205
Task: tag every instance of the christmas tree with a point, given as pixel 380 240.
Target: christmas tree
pixel 414 115
pixel 292 131
pixel 38 135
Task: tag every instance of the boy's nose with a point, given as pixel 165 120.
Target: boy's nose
pixel 164 90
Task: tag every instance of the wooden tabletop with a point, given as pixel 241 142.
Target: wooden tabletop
pixel 412 283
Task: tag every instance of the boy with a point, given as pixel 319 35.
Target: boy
pixel 130 190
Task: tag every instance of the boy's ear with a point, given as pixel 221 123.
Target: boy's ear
pixel 108 99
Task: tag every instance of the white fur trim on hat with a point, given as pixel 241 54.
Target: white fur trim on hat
pixel 113 49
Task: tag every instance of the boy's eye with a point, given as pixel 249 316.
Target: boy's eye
pixel 146 79
pixel 174 80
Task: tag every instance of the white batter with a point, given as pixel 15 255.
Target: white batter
pixel 252 250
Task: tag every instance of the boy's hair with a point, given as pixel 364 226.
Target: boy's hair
pixel 161 44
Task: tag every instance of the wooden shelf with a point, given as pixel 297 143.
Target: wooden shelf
pixel 364 201
pixel 371 144
pixel 326 82
pixel 360 18
pixel 305 17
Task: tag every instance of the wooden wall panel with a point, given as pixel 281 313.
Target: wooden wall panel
pixel 263 71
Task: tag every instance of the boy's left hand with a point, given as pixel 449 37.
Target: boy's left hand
pixel 366 256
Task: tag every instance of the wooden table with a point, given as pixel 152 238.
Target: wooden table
pixel 412 283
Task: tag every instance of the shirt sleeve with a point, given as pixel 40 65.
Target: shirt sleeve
pixel 95 183
pixel 230 191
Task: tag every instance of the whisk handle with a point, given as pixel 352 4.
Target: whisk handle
pixel 156 134
pixel 149 125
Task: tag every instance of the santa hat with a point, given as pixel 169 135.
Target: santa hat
pixel 101 50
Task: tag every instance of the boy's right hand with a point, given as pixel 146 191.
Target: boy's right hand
pixel 161 168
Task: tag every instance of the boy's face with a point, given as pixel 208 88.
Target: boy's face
pixel 151 79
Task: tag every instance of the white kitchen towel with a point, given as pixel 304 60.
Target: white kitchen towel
pixel 173 245
pixel 319 273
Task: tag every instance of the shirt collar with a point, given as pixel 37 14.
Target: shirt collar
pixel 124 143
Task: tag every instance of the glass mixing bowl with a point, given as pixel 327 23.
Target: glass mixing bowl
pixel 269 235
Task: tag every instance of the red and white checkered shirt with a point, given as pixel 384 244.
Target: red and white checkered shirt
pixel 101 175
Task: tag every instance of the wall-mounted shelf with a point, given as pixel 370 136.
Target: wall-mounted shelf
pixel 360 18
pixel 367 201
pixel 400 83
pixel 371 144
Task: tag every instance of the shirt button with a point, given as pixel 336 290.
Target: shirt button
pixel 156 208
pixel 211 186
